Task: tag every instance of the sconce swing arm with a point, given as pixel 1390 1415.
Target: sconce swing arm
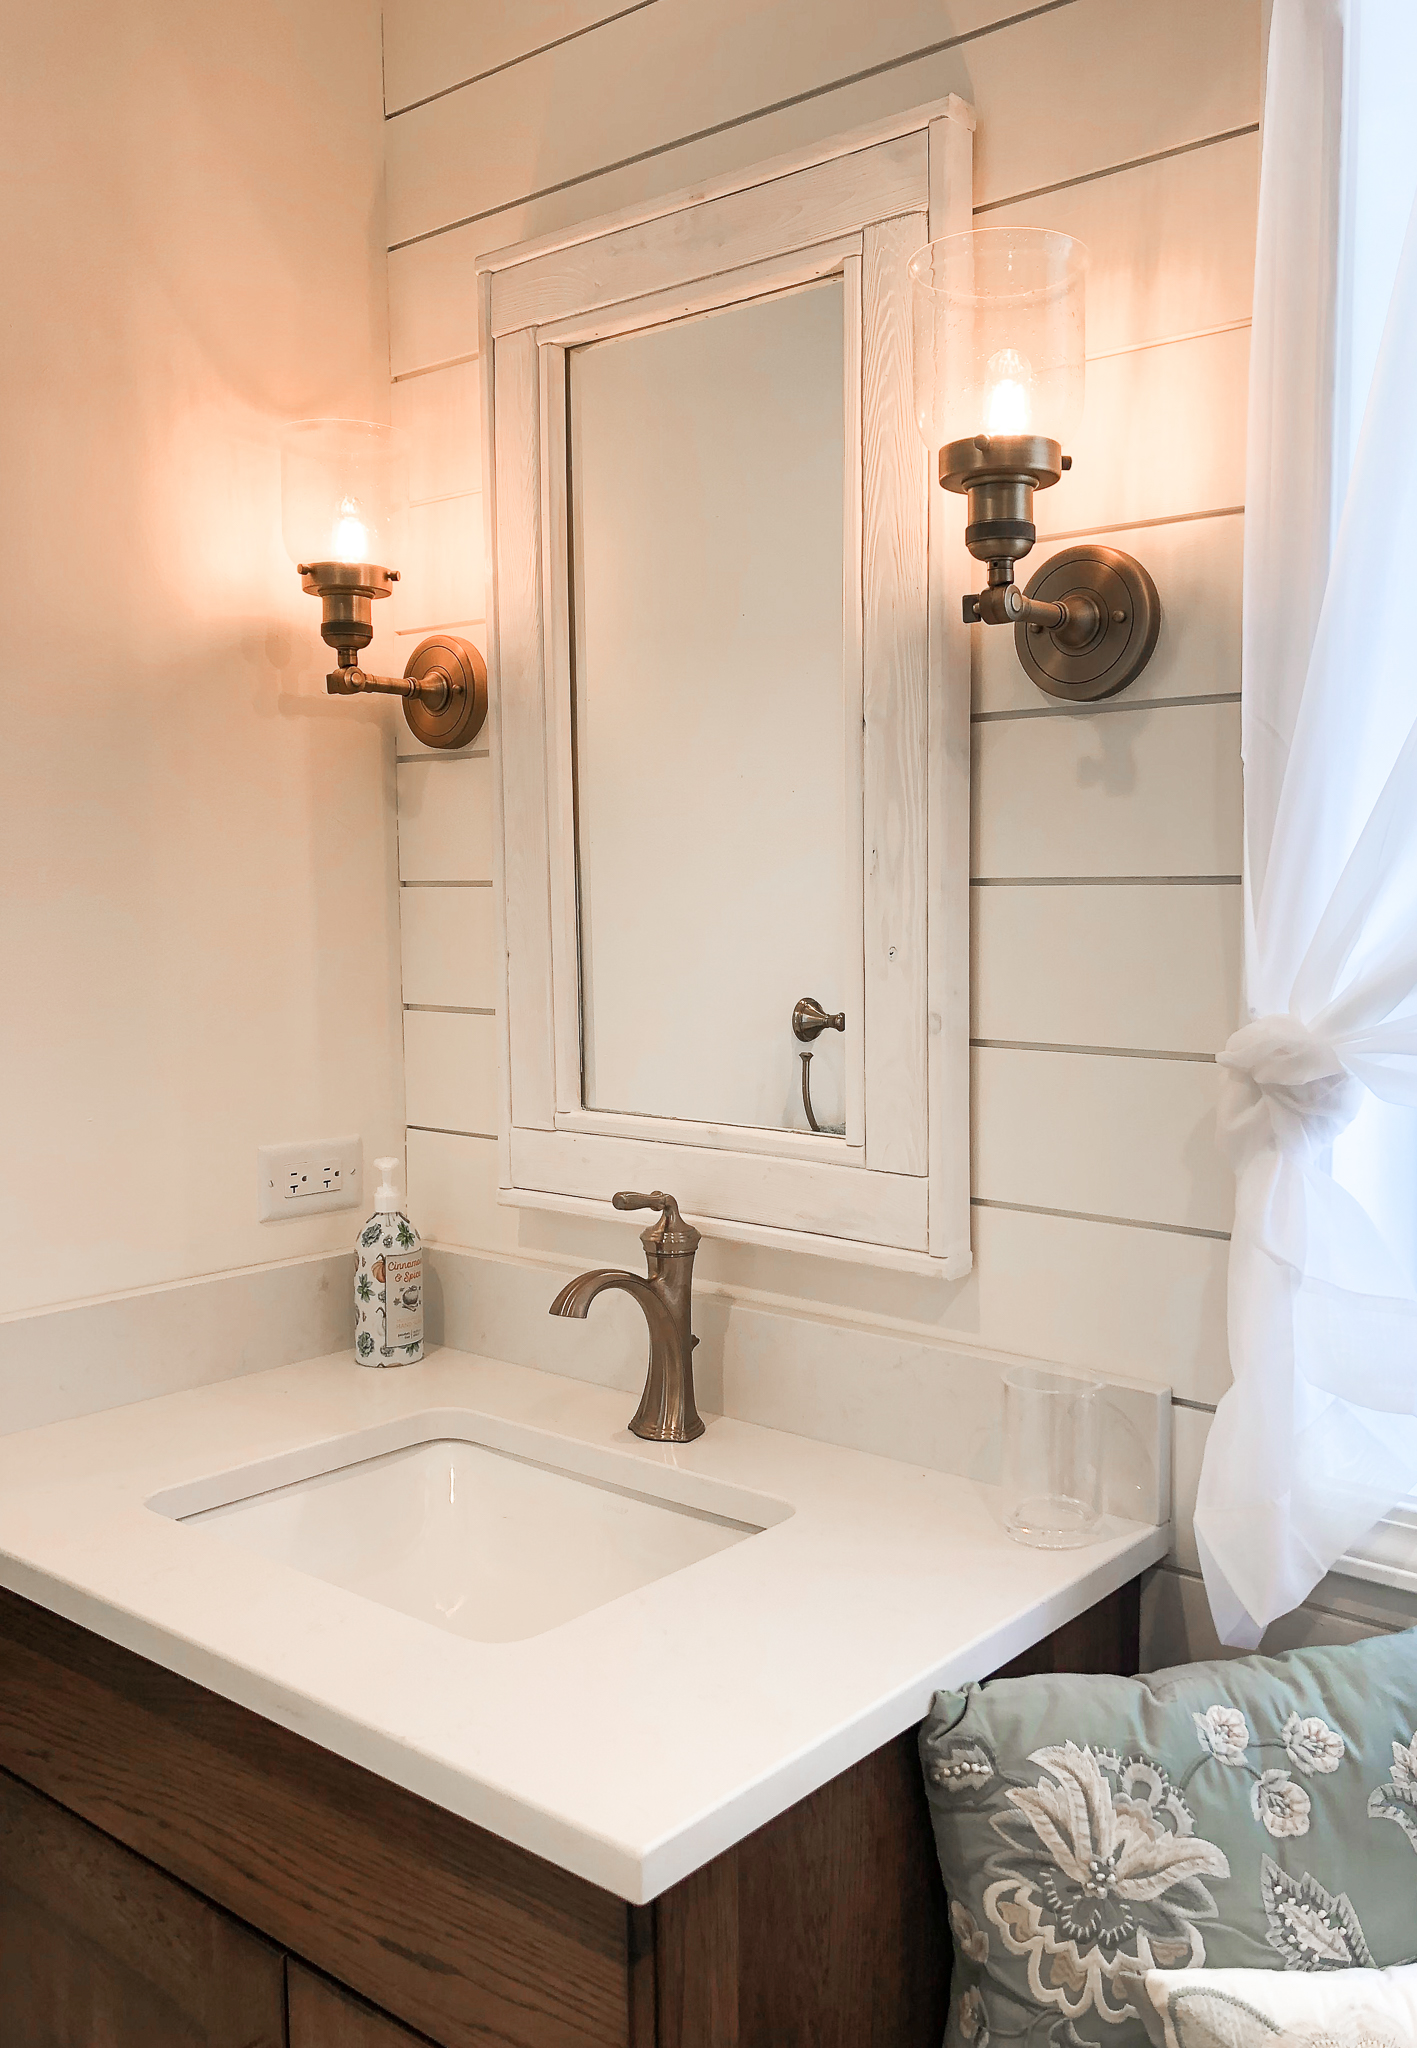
pixel 1087 623
pixel 444 686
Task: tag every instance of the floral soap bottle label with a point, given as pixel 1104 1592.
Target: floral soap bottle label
pixel 388 1282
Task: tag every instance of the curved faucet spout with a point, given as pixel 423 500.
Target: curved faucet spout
pixel 667 1412
pixel 575 1298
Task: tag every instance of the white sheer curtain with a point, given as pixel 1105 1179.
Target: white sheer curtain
pixel 1318 1436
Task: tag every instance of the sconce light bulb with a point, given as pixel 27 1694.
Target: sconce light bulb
pixel 351 534
pixel 1008 393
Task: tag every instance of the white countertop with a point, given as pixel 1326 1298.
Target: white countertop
pixel 629 1745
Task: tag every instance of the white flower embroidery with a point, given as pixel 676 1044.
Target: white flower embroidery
pixel 973 1941
pixel 1282 1805
pixel 1223 1732
pixel 1311 1745
pixel 1397 1800
pixel 972 2018
pixel 1101 1885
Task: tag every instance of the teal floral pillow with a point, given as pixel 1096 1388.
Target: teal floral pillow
pixel 1259 1813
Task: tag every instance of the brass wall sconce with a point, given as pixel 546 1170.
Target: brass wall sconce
pixel 999 376
pixel 342 489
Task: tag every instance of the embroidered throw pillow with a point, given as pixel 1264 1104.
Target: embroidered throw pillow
pixel 1274 2009
pixel 1259 1813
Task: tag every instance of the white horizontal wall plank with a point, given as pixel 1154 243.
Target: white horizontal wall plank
pixel 432 45
pixel 1171 244
pixel 441 412
pixel 448 941
pixel 1151 968
pixel 1196 566
pixel 452 1192
pixel 639 84
pixel 1119 78
pixel 1176 1627
pixel 1101 1135
pixel 444 567
pixel 445 819
pixel 1149 1304
pixel 1163 433
pixel 1143 792
pixel 433 299
pixel 450 1063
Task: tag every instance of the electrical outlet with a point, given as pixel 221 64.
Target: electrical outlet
pixel 301 1180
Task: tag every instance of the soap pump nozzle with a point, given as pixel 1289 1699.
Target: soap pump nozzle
pixel 387 1199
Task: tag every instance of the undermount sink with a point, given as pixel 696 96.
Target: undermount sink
pixel 495 1543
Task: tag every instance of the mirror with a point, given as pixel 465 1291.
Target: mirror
pixel 707 571
pixel 731 683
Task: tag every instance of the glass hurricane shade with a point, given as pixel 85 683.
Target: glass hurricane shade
pixel 997 320
pixel 343 486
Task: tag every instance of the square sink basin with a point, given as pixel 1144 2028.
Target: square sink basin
pixel 489 1543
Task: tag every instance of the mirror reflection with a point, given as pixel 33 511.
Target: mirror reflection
pixel 707 570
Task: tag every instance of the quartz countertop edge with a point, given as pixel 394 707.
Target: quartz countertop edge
pixel 629 1746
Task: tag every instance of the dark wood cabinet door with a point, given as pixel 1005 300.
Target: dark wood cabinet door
pixel 468 1939
pixel 323 2016
pixel 99 1949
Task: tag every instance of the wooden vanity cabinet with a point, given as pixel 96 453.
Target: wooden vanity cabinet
pixel 98 1949
pixel 321 2015
pixel 177 1872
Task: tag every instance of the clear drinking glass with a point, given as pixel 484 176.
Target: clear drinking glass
pixel 1051 1467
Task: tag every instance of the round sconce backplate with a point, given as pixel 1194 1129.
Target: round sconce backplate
pixel 1129 619
pixel 460 718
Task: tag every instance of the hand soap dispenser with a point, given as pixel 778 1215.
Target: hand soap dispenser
pixel 388 1280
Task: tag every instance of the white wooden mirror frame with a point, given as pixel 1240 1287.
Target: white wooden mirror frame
pixel 895 1191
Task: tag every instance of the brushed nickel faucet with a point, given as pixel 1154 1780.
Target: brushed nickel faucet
pixel 666 1414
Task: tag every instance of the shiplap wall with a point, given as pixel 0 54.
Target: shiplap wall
pixel 1107 841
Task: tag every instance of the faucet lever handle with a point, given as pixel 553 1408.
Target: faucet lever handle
pixel 671 1236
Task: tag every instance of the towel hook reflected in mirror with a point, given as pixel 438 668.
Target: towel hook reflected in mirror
pixel 809 1021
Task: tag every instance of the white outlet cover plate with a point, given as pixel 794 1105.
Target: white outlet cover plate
pixel 302 1180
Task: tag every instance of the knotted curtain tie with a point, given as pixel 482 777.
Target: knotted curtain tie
pixel 1284 1086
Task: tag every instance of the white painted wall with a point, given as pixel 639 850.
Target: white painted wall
pixel 1106 841
pixel 198 915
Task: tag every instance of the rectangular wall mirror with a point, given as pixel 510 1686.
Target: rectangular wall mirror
pixel 731 710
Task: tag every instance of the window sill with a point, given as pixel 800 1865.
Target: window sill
pixel 1387 1555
